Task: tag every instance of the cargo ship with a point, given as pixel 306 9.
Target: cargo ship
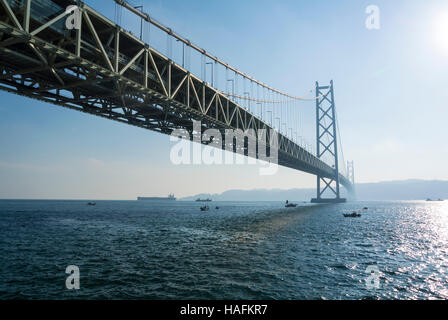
pixel 170 197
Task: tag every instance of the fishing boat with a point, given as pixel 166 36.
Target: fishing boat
pixel 354 214
pixel 290 205
pixel 203 200
pixel 205 208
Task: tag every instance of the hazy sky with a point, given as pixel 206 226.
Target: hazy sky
pixel 390 89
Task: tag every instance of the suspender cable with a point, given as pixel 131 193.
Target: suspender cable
pixel 187 42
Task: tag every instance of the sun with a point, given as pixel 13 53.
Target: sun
pixel 440 32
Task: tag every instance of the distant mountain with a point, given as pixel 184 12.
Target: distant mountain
pixel 389 190
pixel 403 190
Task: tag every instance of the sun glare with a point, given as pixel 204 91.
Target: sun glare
pixel 440 31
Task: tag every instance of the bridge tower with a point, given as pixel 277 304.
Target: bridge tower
pixel 351 172
pixel 351 178
pixel 327 144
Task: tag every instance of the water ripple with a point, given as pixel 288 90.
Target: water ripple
pixel 151 250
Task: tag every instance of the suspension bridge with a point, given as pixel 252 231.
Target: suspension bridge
pixel 66 53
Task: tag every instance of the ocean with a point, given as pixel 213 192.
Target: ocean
pixel 243 250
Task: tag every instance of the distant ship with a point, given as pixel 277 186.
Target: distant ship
pixel 434 200
pixel 203 200
pixel 170 197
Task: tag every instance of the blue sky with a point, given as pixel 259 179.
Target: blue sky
pixel 390 93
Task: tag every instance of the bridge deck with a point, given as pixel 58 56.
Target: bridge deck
pixel 104 70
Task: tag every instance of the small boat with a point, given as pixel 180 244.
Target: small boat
pixel 365 208
pixel 352 215
pixel 91 204
pixel 290 205
pixel 217 208
pixel 205 208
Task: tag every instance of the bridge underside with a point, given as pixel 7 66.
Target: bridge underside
pixel 105 71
